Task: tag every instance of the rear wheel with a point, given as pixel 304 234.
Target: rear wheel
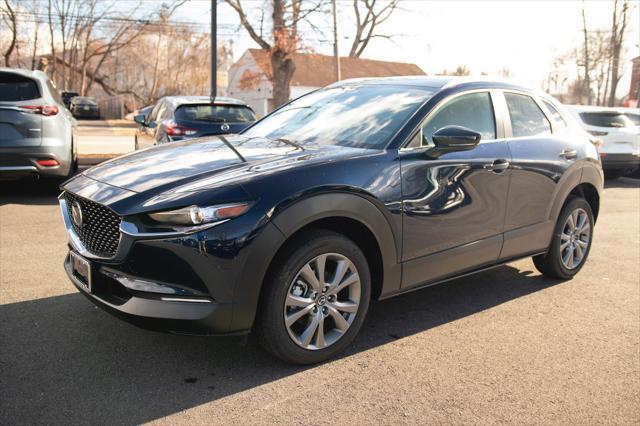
pixel 316 298
pixel 571 241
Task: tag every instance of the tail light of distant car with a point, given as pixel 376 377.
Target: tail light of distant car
pixel 174 129
pixel 47 110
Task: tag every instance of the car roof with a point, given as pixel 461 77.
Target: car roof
pixel 25 72
pixel 437 83
pixel 176 101
pixel 602 109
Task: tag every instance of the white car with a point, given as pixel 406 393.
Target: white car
pixel 618 133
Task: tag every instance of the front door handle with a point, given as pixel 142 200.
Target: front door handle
pixel 497 166
pixel 569 153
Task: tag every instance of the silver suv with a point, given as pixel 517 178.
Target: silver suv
pixel 36 129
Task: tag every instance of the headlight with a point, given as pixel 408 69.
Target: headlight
pixel 195 215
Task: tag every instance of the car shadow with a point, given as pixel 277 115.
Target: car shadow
pixel 62 360
pixel 623 182
pixel 29 191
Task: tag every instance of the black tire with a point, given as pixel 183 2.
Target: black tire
pixel 550 264
pixel 270 328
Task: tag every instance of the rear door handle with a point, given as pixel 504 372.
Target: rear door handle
pixel 569 154
pixel 497 166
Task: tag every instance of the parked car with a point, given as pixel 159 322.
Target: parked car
pixel 83 107
pixel 619 136
pixel 67 96
pixel 175 118
pixel 632 114
pixel 36 130
pixel 360 191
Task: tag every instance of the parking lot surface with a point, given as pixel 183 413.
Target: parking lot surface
pixel 502 346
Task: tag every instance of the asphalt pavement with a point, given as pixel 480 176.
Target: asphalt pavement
pixel 503 346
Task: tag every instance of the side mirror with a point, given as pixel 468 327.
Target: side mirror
pixel 140 119
pixel 455 138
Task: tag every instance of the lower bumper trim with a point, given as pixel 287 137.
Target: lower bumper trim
pixel 179 315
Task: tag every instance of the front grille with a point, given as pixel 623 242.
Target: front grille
pixel 100 230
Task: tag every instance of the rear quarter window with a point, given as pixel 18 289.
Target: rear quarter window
pixel 215 113
pixel 16 88
pixel 558 122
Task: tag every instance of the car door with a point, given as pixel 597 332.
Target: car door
pixel 542 152
pixel 454 204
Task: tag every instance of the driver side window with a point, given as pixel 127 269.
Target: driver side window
pixel 473 111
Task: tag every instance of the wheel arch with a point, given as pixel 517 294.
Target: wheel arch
pixel 357 218
pixel 351 215
pixel 584 182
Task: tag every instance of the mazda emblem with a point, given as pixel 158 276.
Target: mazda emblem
pixel 224 127
pixel 76 214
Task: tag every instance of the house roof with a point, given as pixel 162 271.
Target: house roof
pixel 317 70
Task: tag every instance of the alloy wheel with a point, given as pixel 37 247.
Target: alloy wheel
pixel 575 237
pixel 322 301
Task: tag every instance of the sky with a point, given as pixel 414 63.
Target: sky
pixel 486 36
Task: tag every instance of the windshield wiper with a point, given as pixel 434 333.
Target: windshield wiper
pixel 290 142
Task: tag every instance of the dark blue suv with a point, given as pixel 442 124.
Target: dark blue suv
pixel 357 192
pixel 176 118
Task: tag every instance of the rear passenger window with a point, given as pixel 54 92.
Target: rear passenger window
pixel 527 119
pixel 473 111
pixel 15 88
pixel 558 122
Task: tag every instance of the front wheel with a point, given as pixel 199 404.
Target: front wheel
pixel 571 241
pixel 316 298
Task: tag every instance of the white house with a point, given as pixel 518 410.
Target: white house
pixel 249 77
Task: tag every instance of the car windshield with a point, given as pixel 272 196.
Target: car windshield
pixel 606 119
pixel 364 116
pixel 215 113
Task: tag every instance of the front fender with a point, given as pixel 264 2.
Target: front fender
pixel 293 218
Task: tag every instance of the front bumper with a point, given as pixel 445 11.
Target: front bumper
pixel 620 161
pixel 205 282
pixel 153 311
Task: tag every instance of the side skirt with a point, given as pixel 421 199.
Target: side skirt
pixel 454 277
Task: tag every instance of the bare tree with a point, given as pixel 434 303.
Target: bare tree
pixel 10 19
pixel 34 51
pixel 587 69
pixel 284 38
pixel 618 28
pixel 368 19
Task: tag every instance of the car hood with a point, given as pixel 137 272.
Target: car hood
pixel 203 163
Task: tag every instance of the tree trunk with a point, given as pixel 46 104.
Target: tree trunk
pixel 14 34
pixel 617 38
pixel 587 78
pixel 53 49
pixel 283 68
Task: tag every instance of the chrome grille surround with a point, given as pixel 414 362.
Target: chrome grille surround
pixel 100 231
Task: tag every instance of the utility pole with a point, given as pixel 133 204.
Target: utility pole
pixel 214 50
pixel 336 54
